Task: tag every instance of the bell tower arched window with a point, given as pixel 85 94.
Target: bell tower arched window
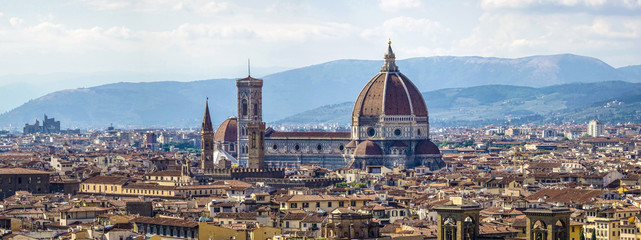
pixel 244 106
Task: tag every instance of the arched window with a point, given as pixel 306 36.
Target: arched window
pixel 244 103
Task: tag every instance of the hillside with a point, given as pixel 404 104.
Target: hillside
pixel 613 101
pixel 180 104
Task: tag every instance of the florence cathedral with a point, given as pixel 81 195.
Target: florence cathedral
pixel 390 127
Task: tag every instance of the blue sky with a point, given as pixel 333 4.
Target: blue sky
pixel 190 40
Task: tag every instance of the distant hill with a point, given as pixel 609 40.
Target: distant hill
pixel 155 104
pixel 612 101
pixel 341 81
pixel 180 104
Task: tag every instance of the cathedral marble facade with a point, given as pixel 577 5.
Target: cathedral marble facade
pixel 390 127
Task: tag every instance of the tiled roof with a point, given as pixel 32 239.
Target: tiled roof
pixel 166 222
pixel 84 209
pixel 366 148
pixel 567 195
pixel 172 173
pixel 151 186
pixel 389 93
pixel 238 216
pixel 107 180
pixel 345 135
pixel 227 131
pixel 21 171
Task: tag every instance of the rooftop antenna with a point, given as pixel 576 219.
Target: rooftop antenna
pixel 249 71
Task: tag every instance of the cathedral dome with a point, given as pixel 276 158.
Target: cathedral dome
pixel 426 147
pixel 227 131
pixel 367 148
pixel 389 93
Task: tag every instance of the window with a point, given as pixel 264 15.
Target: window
pixel 255 109
pixel 244 107
pixel 341 204
pixel 319 147
pixel 305 205
pixel 397 132
pixel 293 205
pixel 297 147
pixel 371 132
pixel 317 204
pixel 329 204
pixel 353 203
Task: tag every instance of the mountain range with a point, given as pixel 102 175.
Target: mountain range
pixel 610 101
pixel 468 89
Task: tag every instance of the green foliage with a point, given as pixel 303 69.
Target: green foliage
pixel 341 184
pixel 181 146
pixel 352 184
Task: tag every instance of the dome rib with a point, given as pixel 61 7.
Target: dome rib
pixel 397 100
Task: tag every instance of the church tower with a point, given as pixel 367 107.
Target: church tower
pixel 250 109
pixel 256 142
pixel 207 140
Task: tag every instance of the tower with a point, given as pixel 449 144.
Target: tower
pixel 207 140
pixel 547 224
pixel 250 109
pixel 256 142
pixel 458 222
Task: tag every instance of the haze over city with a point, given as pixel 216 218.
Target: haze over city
pixel 377 120
pixel 49 46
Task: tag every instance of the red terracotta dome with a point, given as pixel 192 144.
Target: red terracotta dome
pixel 227 131
pixel 367 148
pixel 389 93
pixel 426 147
pixel 351 144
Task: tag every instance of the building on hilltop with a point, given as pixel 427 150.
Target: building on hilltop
pixel 49 125
pixel 390 127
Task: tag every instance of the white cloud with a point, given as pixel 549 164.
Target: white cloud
pixel 197 6
pixel 405 25
pixel 612 28
pixel 395 5
pixel 593 6
pixel 15 21
pixel 609 38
